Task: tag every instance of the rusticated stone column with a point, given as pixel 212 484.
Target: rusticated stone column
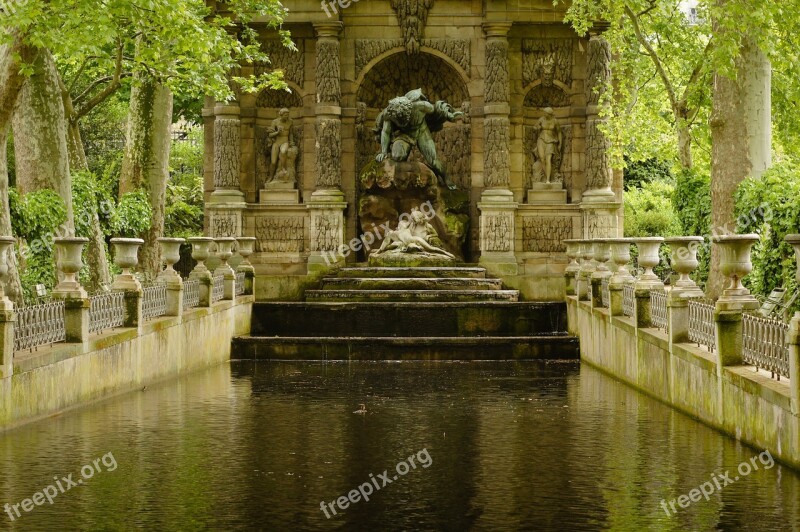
pixel 227 202
pixel 497 206
pixel 327 203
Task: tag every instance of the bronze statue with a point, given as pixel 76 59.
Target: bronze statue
pixel 409 121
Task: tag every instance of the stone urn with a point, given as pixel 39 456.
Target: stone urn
pixel 683 257
pixel 648 259
pixel 201 251
pixel 170 254
pixel 602 254
pixel 5 244
pixel 224 252
pixel 587 254
pixel 735 264
pixel 69 262
pixel 126 256
pixel 573 253
pixel 620 257
pixel 245 246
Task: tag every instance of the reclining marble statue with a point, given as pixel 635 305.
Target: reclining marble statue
pixel 413 235
pixel 409 121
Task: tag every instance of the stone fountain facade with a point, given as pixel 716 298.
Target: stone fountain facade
pixel 505 64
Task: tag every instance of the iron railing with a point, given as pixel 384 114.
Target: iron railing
pixel 39 325
pixel 628 299
pixel 605 293
pixel 240 280
pixel 218 288
pixel 154 301
pixel 764 344
pixel 191 293
pixel 702 329
pixel 658 309
pixel 106 311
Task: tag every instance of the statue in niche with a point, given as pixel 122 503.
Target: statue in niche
pixel 409 121
pixel 548 145
pixel 283 159
pixel 413 235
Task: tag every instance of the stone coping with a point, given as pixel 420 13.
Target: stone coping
pixel 55 353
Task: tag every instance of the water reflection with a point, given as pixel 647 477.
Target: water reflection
pixel 514 446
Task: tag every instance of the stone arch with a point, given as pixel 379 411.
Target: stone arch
pixel 269 98
pixel 554 94
pixel 395 73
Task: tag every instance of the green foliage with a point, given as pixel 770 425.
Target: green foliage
pixel 132 215
pixel 649 211
pixel 770 206
pixel 639 172
pixel 692 203
pixel 37 215
pixel 183 215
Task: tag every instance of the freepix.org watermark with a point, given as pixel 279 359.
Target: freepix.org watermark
pixel 363 492
pixel 332 7
pixel 717 483
pixel 366 240
pixel 61 485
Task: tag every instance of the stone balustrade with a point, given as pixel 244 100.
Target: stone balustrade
pixel 73 315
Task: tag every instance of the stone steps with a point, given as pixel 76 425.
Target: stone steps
pixel 410 283
pixel 428 272
pixel 455 296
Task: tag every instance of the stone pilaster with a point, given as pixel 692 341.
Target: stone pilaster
pixel 728 319
pixel 7 320
pixel 327 204
pixel 497 205
pixel 225 206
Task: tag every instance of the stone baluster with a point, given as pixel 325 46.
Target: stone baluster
pixel 570 272
pixel 246 246
pixel 327 204
pixel 736 299
pixel 648 248
pixel 170 254
pixel 225 252
pixel 126 257
pixel 76 301
pixel 683 256
pixel 793 336
pixel 497 205
pixel 602 254
pixel 7 315
pixel 201 251
pixel 620 256
pixel 584 276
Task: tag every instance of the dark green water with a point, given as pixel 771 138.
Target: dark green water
pixel 496 446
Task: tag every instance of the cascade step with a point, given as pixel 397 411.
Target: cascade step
pixel 421 295
pixel 410 283
pixel 428 272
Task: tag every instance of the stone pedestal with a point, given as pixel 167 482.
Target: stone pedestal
pixel 547 194
pixel 279 193
pixel 7 320
pixel 678 316
pixel 497 232
pixel 728 318
pixel 326 210
pixel 793 340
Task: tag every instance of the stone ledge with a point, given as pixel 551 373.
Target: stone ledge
pixel 751 383
pixel 696 356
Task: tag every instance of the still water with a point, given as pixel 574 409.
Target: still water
pixel 495 446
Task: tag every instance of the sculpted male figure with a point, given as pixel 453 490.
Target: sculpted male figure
pixel 549 141
pixel 280 134
pixel 409 121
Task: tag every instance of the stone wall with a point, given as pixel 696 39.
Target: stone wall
pixel 748 406
pixel 63 376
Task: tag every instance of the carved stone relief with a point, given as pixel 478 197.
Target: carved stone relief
pixel 546 234
pixel 278 99
pixel 547 60
pixel 598 166
pixel 329 148
pixel 598 69
pixel 496 160
pixel 280 234
pixel 227 148
pixel 600 226
pixel 412 15
pixel 497 233
pixel 456 49
pixel 328 76
pixel 562 160
pixel 542 96
pixel 225 223
pixel 496 71
pixel 292 63
pixel 397 74
pixel 327 232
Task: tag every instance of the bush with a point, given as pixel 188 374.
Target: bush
pixel 639 173
pixel 649 211
pixel 692 203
